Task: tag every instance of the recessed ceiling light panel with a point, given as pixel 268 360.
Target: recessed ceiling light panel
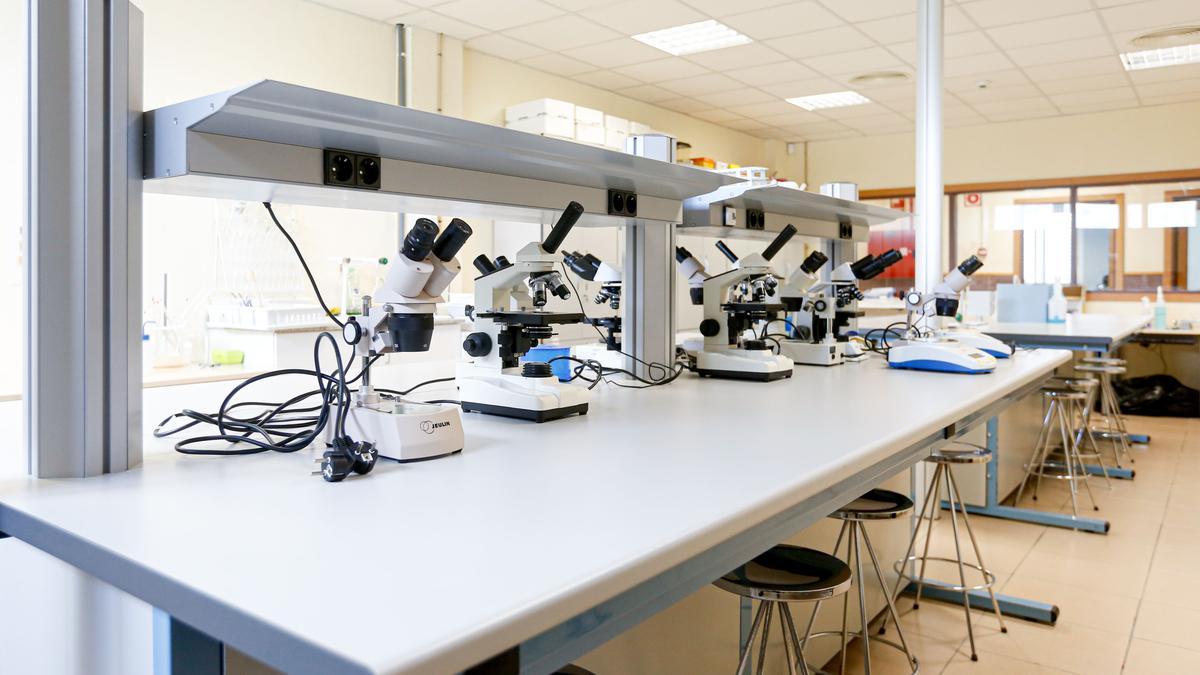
pixel 1161 58
pixel 1167 37
pixel 693 38
pixel 837 99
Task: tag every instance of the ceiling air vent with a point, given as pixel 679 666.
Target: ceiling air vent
pixel 1166 37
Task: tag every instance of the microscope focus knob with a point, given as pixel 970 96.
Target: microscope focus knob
pixel 477 344
pixel 820 306
pixel 710 327
pixel 351 331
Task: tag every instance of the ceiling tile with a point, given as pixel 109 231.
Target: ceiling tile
pixel 816 85
pixel 782 20
pixel 973 65
pixel 1083 83
pixel 988 13
pixel 607 79
pixel 562 32
pixel 426 3
pixel 672 68
pixel 684 105
pixel 557 64
pixel 768 132
pixel 795 116
pixel 721 8
pixel 380 10
pixel 858 61
pixel 1099 106
pixel 993 93
pixel 1000 78
pixel 823 126
pixel 719 116
pixel 1080 98
pixel 742 56
pixel 742 96
pixel 953 46
pixel 743 124
pixel 576 5
pixel 498 15
pixel 634 17
pixel 1033 104
pixel 504 47
pixel 1169 98
pixel 784 71
pixel 890 92
pixel 1082 68
pixel 834 135
pixel 440 24
pixel 757 110
pixel 820 42
pixel 708 83
pixel 649 93
pixel 614 54
pixel 1047 30
pixel 865 10
pixel 856 111
pixel 1057 52
pixel 1169 88
pixel 1153 14
pixel 903 28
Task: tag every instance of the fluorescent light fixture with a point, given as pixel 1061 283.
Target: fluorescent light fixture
pixel 1161 58
pixel 837 99
pixel 692 38
pixel 1171 214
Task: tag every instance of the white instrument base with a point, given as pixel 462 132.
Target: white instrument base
pixel 813 353
pixel 405 431
pixel 540 399
pixel 744 364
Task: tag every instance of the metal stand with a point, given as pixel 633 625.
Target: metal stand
pixel 180 649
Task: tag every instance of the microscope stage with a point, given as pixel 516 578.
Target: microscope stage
pixel 532 318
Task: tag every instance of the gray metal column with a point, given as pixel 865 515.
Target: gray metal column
pixel 83 218
pixel 648 315
pixel 929 145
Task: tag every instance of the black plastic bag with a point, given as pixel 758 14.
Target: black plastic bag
pixel 1157 396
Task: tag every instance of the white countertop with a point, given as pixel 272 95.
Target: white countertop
pixel 435 566
pixel 1108 328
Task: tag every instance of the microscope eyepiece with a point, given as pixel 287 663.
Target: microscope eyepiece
pixel 451 240
pixel 484 265
pixel 970 266
pixel 502 262
pixel 582 264
pixel 876 265
pixel 566 221
pixel 785 235
pixel 419 240
pixel 723 248
pixel 813 262
pixel 682 254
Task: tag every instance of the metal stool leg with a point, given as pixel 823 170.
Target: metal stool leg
pixel 891 606
pixel 936 493
pixel 766 634
pixel 930 498
pixel 962 574
pixel 975 545
pixel 1071 450
pixel 862 600
pixel 758 617
pixel 1038 453
pixel 797 648
pixel 1077 439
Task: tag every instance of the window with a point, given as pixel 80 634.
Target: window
pixel 13 59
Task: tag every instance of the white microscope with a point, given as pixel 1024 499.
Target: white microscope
pixel 734 302
pixel 939 349
pixel 831 305
pixel 509 321
pixel 399 318
pixel 591 268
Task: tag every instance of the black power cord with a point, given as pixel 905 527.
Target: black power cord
pixel 304 264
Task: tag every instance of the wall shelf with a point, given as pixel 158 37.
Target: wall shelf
pixel 265 142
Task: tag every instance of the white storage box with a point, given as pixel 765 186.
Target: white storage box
pixel 589 133
pixel 558 127
pixel 542 107
pixel 589 116
pixel 614 138
pixel 614 123
pixel 639 129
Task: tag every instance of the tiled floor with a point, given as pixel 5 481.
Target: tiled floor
pixel 1129 601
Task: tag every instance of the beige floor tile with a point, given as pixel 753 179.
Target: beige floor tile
pixel 1070 647
pixel 994 664
pixel 1172 587
pixel 1165 623
pixel 1121 544
pixel 1154 658
pixel 1178 556
pixel 1081 606
pixel 932 655
pixel 1084 573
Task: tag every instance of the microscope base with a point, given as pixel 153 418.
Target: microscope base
pixel 940 356
pixel 406 431
pixel 976 340
pixel 813 353
pixel 539 399
pixel 744 364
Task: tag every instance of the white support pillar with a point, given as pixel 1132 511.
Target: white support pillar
pixel 929 145
pixel 83 381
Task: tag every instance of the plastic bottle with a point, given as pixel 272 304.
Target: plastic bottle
pixel 1056 308
pixel 1160 310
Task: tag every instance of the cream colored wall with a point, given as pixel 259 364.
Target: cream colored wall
pixel 491 84
pixel 1155 138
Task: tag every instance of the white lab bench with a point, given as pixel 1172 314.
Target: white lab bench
pixel 553 537
pixel 1099 333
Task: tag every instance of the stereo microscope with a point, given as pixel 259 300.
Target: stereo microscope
pixel 399 318
pixel 510 319
pixel 734 302
pixel 941 350
pixel 831 305
pixel 591 268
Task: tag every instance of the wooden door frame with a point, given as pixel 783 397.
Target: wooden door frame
pixel 1169 252
pixel 1116 273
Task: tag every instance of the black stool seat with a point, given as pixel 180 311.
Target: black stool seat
pixel 876 504
pixel 787 574
pixel 572 669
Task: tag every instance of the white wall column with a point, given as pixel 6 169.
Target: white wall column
pixel 929 145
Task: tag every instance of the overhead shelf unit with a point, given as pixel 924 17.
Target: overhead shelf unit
pixel 750 211
pixel 269 141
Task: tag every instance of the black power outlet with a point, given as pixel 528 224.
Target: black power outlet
pixel 622 203
pixel 352 169
pixel 845 230
pixel 756 219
